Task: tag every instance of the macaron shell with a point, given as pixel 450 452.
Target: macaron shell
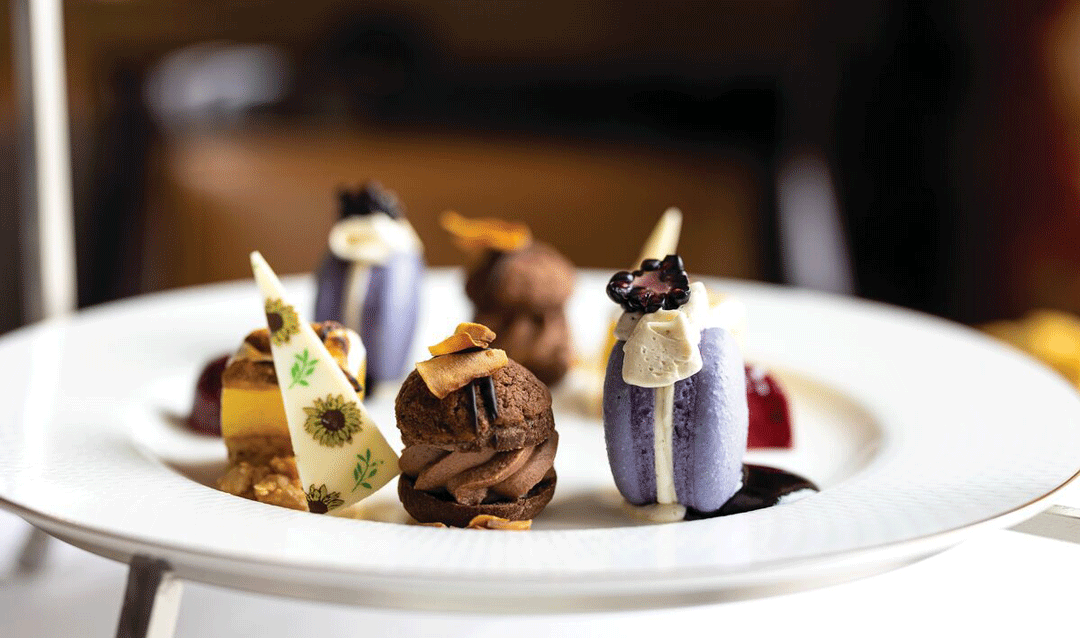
pixel 710 421
pixel 329 289
pixel 628 432
pixel 388 320
pixel 389 316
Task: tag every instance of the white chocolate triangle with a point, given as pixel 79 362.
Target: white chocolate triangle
pixel 664 238
pixel 352 461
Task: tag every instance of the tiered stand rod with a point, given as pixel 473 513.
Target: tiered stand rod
pixel 152 598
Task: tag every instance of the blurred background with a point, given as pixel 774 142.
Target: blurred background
pixel 923 153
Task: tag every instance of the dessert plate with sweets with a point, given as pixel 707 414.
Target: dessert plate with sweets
pixel 917 433
pixel 877 437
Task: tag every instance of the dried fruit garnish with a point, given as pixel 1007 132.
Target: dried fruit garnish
pixel 451 372
pixel 659 284
pixel 487 521
pixel 485 233
pixel 466 337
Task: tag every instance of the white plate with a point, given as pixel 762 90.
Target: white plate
pixel 918 431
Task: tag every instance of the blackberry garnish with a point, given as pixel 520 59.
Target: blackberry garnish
pixel 371 198
pixel 658 284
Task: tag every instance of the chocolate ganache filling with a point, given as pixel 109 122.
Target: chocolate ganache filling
pixel 473 478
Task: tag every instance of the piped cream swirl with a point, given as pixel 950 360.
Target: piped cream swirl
pixel 662 347
pixel 473 478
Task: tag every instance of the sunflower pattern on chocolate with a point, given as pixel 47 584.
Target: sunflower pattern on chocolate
pixel 328 425
pixel 282 321
pixel 321 501
pixel 332 421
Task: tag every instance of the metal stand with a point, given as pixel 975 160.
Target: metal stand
pixel 47 233
pixel 49 224
pixel 1058 522
pixel 34 551
pixel 151 600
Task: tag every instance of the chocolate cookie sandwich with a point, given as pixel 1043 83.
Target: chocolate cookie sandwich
pixel 479 434
pixel 519 288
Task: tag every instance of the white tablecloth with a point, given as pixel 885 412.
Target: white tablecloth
pixel 996 583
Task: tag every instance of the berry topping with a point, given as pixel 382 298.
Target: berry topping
pixel 770 417
pixel 372 198
pixel 659 284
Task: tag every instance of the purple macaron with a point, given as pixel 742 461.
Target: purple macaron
pixel 709 409
pixel 391 299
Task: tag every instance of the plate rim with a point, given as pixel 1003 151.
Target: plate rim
pixel 1006 519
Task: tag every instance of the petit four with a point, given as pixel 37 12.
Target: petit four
pixel 341 456
pixel 253 422
pixel 675 411
pixel 479 435
pixel 519 288
pixel 252 416
pixel 370 280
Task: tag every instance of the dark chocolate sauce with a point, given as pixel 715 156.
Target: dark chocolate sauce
pixel 762 487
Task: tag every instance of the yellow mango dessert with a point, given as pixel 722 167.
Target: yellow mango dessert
pixel 253 423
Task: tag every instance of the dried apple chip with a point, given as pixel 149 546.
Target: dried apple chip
pixel 487 521
pixel 451 372
pixel 466 336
